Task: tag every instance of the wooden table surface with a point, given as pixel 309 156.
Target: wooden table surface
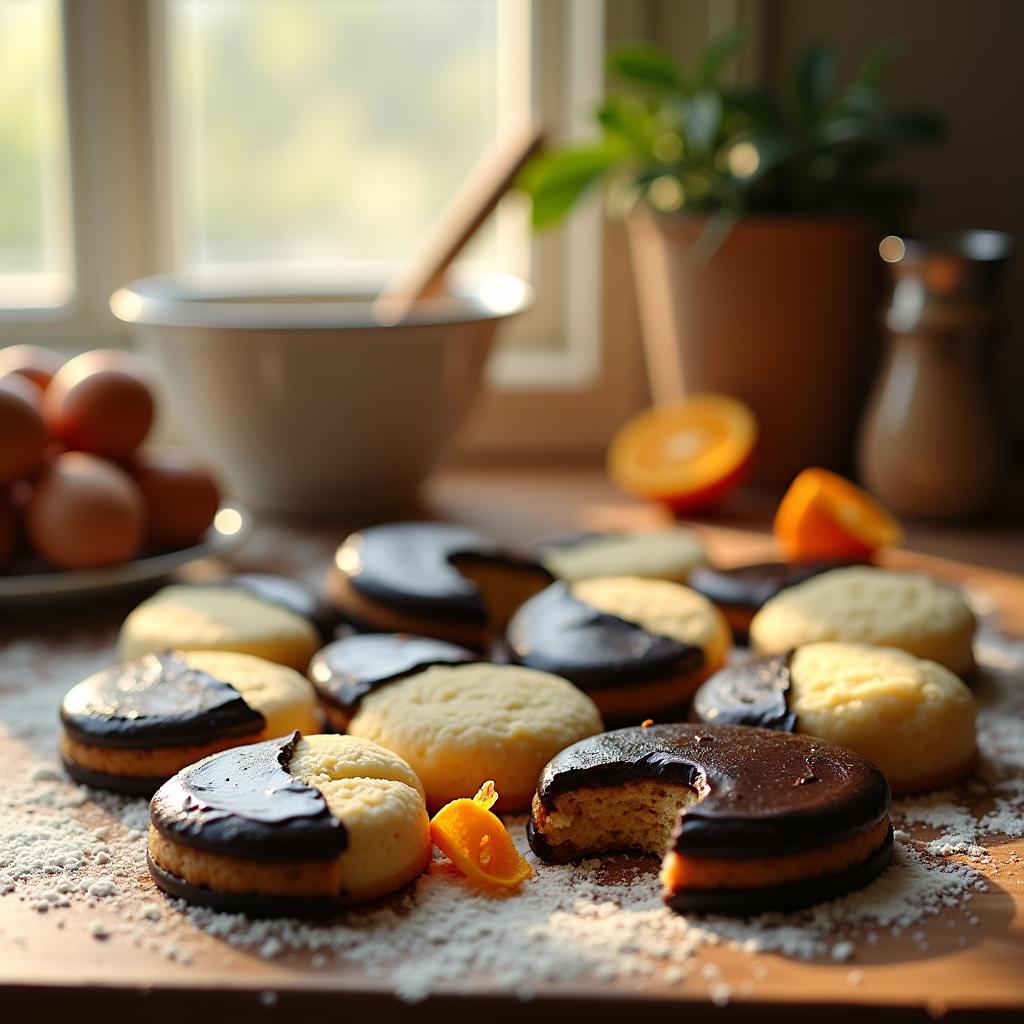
pixel 50 963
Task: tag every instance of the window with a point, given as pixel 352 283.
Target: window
pixel 322 137
pixel 35 250
pixel 310 136
pixel 325 133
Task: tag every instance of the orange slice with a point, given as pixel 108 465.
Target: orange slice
pixel 476 841
pixel 688 454
pixel 822 515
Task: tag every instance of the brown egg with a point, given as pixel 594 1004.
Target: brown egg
pixel 85 512
pixel 100 402
pixel 8 530
pixel 181 497
pixel 36 363
pixel 23 437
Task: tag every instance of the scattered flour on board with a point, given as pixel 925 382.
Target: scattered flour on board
pixel 64 848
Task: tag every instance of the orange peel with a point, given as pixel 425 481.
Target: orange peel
pixel 823 515
pixel 477 843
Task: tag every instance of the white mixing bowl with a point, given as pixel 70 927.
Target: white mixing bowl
pixel 304 401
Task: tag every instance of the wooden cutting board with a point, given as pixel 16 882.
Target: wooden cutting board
pixel 50 963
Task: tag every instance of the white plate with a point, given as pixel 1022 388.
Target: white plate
pixel 231 526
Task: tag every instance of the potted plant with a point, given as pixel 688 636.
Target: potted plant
pixel 753 216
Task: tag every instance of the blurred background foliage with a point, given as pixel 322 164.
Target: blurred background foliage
pixel 682 140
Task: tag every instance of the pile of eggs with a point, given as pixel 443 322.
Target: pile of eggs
pixel 75 486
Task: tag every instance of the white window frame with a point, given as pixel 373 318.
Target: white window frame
pixel 547 403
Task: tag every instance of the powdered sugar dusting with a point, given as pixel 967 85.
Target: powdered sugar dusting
pixel 76 857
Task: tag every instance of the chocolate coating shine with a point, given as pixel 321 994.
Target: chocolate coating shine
pixel 752 693
pixel 408 566
pixel 762 792
pixel 244 802
pixel 347 670
pixel 556 632
pixel 158 700
pixel 748 587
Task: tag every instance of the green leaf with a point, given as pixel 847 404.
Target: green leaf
pixel 859 102
pixel 648 66
pixel 844 129
pixel 628 119
pixel 911 125
pixel 879 60
pixel 758 103
pixel 774 148
pixel 556 180
pixel 814 80
pixel 715 56
pixel 702 119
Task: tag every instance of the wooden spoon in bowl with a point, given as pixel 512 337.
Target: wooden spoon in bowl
pixel 421 276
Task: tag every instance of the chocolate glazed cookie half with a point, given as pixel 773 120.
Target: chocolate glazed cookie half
pixel 913 718
pixel 244 807
pixel 741 592
pixel 747 820
pixel 345 671
pixel 157 701
pixel 431 579
pixel 627 670
pixel 754 693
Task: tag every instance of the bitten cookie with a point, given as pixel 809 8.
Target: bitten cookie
pixel 266 616
pixel 747 820
pixel 431 579
pixel 660 554
pixel 912 718
pixel 742 591
pixel 863 604
pixel 460 725
pixel 638 647
pixel 133 725
pixel 345 671
pixel 291 826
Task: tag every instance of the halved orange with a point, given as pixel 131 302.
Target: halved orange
pixel 823 515
pixel 687 455
pixel 476 841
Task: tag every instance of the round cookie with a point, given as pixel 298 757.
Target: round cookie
pixel 638 647
pixel 459 725
pixel 431 579
pixel 659 554
pixel 347 670
pixel 130 727
pixel 742 591
pixel 266 616
pixel 864 604
pixel 746 820
pixel 912 718
pixel 290 826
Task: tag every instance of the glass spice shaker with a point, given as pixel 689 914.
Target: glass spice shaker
pixel 932 442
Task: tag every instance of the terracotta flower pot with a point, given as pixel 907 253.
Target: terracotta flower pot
pixel 782 316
